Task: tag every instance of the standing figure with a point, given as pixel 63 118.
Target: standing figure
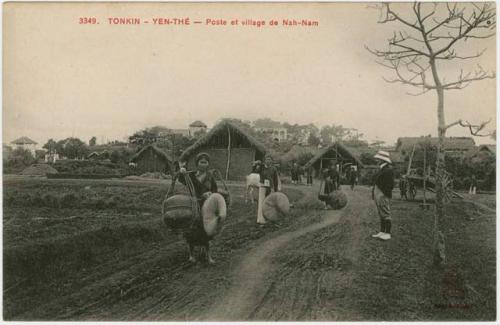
pixel 353 177
pixel 269 181
pixel 309 173
pixel 204 185
pixel 473 185
pixel 403 182
pixel 295 173
pixel 332 178
pixel 382 193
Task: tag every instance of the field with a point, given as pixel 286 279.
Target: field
pixel 98 250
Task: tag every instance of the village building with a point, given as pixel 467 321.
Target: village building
pixel 272 128
pixel 453 146
pixel 25 143
pixel 232 149
pixel 196 128
pixel 337 153
pixel 153 159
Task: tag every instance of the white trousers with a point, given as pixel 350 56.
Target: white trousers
pixel 262 196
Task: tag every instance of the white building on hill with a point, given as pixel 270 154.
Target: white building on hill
pixel 25 143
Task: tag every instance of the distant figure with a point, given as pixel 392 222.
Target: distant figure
pixel 295 173
pixel 332 180
pixel 382 194
pixel 473 185
pixel 403 182
pixel 353 177
pixel 309 174
pixel 269 181
pixel 330 177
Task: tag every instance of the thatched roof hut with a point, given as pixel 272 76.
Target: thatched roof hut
pixel 335 152
pixel 153 159
pixel 232 148
pixel 452 145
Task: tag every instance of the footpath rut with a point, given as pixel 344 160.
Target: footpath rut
pixel 251 277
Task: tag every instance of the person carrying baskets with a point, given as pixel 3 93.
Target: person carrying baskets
pixel 202 184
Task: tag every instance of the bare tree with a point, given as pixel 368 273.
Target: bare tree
pixel 430 35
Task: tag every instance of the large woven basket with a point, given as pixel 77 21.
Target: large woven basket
pixel 178 211
pixel 276 206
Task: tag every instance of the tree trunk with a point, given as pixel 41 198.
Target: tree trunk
pixel 439 240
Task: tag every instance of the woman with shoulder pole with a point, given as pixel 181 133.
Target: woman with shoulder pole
pixel 204 185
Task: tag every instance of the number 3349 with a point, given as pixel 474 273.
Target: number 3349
pixel 87 20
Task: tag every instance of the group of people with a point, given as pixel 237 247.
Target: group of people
pixel 269 182
pixel 297 172
pixel 203 183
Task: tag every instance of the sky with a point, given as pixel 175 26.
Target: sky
pixel 62 78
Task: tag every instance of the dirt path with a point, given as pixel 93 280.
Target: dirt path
pixel 252 282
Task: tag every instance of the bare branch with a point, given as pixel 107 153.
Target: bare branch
pixel 452 124
pixel 452 55
pixel 392 16
pixel 464 81
pixel 476 129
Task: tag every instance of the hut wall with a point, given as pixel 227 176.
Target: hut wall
pixel 240 164
pixel 150 161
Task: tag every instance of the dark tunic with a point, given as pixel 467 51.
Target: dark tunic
pixel 196 235
pixel 331 180
pixel 270 174
pixel 384 180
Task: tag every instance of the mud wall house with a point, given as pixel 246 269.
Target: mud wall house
pixel 232 149
pixel 337 153
pixel 152 159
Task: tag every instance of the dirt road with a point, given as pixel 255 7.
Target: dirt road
pixel 262 287
pixel 316 265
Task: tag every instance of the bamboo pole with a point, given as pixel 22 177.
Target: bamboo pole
pixel 411 158
pixel 228 152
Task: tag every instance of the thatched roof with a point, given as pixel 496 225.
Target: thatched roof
pixel 23 140
pixel 297 150
pixel 238 127
pixel 343 150
pixel 450 143
pixel 160 152
pixel 489 147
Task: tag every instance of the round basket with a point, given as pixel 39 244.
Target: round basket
pixel 214 212
pixel 178 211
pixel 276 206
pixel 337 199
